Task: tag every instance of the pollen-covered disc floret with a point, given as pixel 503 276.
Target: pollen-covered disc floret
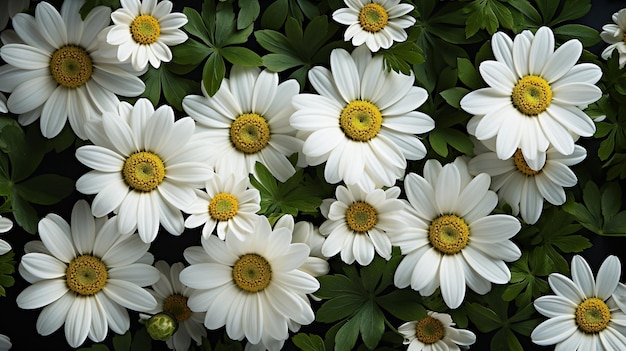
pixel 592 315
pixel 143 171
pixel 435 332
pixel 145 29
pixel 250 133
pixel 86 275
pixel 223 207
pixel 252 273
pixel 531 95
pixel 71 66
pixel 522 166
pixel 373 17
pixel 360 120
pixel 449 234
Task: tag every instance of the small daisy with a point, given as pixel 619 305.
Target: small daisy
pixel 228 204
pixel 360 222
pixel 144 30
pixel 375 23
pixel 254 286
pixel 85 274
pixel 146 167
pixel 247 121
pixel 535 95
pixel 5 226
pixel 451 239
pixel 62 71
pixel 582 315
pixel 435 332
pixel 5 343
pixel 363 124
pixel 8 9
pixel 614 34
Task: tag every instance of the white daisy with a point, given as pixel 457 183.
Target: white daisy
pixel 582 315
pixel 144 30
pixel 375 23
pixel 85 275
pixel 451 239
pixel 247 121
pixel 5 343
pixel 146 167
pixel 5 225
pixel 435 332
pixel 614 35
pixel 522 187
pixel 360 222
pixel 62 70
pixel 363 123
pixel 228 204
pixel 254 286
pixel 8 9
pixel 535 95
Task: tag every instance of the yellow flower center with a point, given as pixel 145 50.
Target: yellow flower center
pixel 429 330
pixel 373 17
pixel 449 234
pixel 176 305
pixel 361 217
pixel 145 29
pixel 71 66
pixel 252 273
pixel 360 120
pixel 86 275
pixel 250 133
pixel 223 207
pixel 532 95
pixel 592 315
pixel 143 171
pixel 522 166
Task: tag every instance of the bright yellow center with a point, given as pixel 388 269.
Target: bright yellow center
pixel 143 171
pixel 71 66
pixel 449 234
pixel 223 207
pixel 532 95
pixel 176 305
pixel 592 315
pixel 86 275
pixel 360 120
pixel 373 17
pixel 522 166
pixel 250 133
pixel 429 330
pixel 252 273
pixel 145 29
pixel 361 217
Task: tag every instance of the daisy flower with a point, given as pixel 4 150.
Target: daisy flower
pixel 613 34
pixel 435 332
pixel 62 71
pixel 146 167
pixel 451 239
pixel 228 204
pixel 247 121
pixel 253 286
pixel 5 343
pixel 524 188
pixel 535 95
pixel 85 274
pixel 363 123
pixel 144 30
pixel 375 23
pixel 5 226
pixel 8 9
pixel 582 315
pixel 359 222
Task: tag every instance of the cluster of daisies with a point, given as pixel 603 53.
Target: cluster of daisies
pixel 151 171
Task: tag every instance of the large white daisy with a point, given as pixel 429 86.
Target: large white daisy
pixel 63 70
pixel 535 95
pixel 613 34
pixel 363 123
pixel 435 332
pixel 375 23
pixel 254 286
pixel 8 9
pixel 451 239
pixel 144 30
pixel 146 167
pixel 582 315
pixel 5 225
pixel 85 274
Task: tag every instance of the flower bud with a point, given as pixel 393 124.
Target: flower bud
pixel 161 326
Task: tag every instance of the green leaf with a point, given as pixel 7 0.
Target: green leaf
pixel 241 56
pixel 611 200
pixel 336 284
pixel 454 95
pixel 248 12
pixel 485 319
pixel 122 342
pixel 275 15
pixel 46 189
pixel 372 324
pixel 24 214
pixel 347 335
pixel 174 87
pixel 587 35
pixel 308 342
pixel 339 307
pixel 468 74
pixel 191 52
pixel 505 340
pixel 402 304
pixel 90 4
pixel 196 26
pixel 141 341
pixel 212 74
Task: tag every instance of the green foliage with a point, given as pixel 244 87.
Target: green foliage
pixel 308 342
pixel 600 210
pixel 173 87
pixel 7 268
pixel 140 341
pixel 401 57
pixel 90 4
pixel 487 14
pixel 279 11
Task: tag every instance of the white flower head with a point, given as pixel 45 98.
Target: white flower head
pixel 614 35
pixel 8 9
pixel 84 275
pixel 5 225
pixel 435 332
pixel 363 123
pixel 375 23
pixel 582 315
pixel 144 30
pixel 451 240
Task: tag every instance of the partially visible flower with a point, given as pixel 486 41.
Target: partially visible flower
pixel 309 234
pixel 614 34
pixel 5 343
pixel 5 225
pixel 435 332
pixel 143 30
pixel 8 9
pixel 3 104
pixel 582 315
pixel 375 23
pixel 161 326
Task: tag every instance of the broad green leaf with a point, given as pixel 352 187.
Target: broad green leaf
pixel 402 304
pixel 191 52
pixel 122 342
pixel 25 215
pixel 587 35
pixel 280 62
pixel 45 189
pixel 213 72
pixel 308 342
pixel 241 56
pixel 347 335
pixel 483 317
pixel 454 95
pixel 196 26
pixel 339 307
pixel 468 74
pixel 372 324
pixel 248 12
pixel 141 341
pixel 275 15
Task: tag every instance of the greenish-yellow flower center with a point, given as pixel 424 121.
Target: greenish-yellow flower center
pixel 361 217
pixel 223 207
pixel 176 305
pixel 429 330
pixel 449 234
pixel 143 171
pixel 250 133
pixel 252 273
pixel 522 166
pixel 592 315
pixel 161 326
pixel 71 66
pixel 360 120
pixel 532 95
pixel 373 17
pixel 86 275
pixel 145 29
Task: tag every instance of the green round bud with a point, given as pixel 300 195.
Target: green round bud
pixel 161 326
